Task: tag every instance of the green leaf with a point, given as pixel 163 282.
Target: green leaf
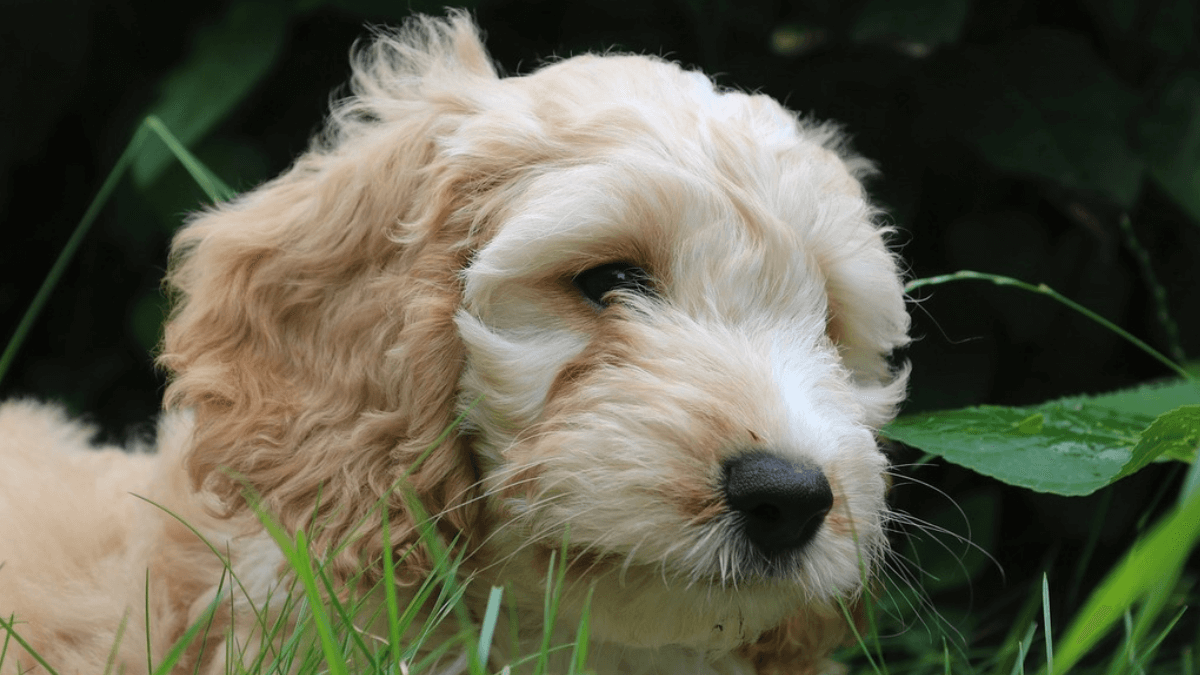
pixel 1151 399
pixel 1032 424
pixel 1175 434
pixel 926 22
pixel 1042 104
pixel 226 61
pixel 1075 452
pixel 1072 446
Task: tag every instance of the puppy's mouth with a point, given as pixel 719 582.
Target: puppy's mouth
pixel 740 558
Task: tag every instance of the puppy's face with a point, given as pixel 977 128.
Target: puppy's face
pixel 675 356
pixel 665 311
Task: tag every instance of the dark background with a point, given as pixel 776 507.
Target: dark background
pixel 1012 137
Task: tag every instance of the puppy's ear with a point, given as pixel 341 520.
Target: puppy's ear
pixel 802 644
pixel 312 333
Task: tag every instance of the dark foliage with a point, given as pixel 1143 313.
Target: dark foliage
pixel 1012 137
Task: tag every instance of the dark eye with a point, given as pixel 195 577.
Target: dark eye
pixel 598 282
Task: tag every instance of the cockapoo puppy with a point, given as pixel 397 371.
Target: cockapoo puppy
pixel 604 313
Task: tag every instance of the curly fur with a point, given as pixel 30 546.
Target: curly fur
pixel 413 267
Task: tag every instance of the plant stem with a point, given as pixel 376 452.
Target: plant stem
pixel 68 251
pixel 1174 346
pixel 1043 289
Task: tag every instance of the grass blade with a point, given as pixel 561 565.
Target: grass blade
pixel 1015 644
pixel 213 186
pixel 202 622
pixel 1148 652
pixel 302 563
pixel 1158 555
pixel 146 608
pixel 1018 667
pixel 389 590
pixel 859 639
pixel 488 626
pixel 7 627
pixel 68 251
pixel 579 652
pixel 1047 629
pixel 296 553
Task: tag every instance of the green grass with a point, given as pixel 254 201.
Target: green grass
pixel 313 626
pixel 1128 623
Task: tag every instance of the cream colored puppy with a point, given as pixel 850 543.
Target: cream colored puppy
pixel 663 311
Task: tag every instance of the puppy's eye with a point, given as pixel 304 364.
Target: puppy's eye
pixel 595 284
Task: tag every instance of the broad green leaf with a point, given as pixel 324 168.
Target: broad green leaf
pixel 1073 451
pixel 1044 105
pixel 1175 434
pixel 1072 446
pixel 927 22
pixel 225 63
pixel 1152 399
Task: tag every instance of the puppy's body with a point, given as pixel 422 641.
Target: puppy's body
pixel 663 313
pixel 91 540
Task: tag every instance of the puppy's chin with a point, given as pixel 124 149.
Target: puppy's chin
pixel 644 605
pixel 643 611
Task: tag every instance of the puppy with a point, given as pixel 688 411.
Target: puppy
pixel 603 316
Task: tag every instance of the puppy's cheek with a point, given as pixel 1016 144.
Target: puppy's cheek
pixel 617 463
pixel 861 488
pixel 853 534
pixel 508 375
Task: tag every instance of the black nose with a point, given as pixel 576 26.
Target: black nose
pixel 781 504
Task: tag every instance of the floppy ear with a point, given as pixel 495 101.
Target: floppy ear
pixel 802 644
pixel 313 330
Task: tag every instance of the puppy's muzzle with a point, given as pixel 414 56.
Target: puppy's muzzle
pixel 779 505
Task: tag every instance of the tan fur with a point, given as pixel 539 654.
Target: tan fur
pixel 415 266
pixel 788 649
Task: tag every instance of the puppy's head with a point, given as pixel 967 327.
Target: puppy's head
pixel 663 311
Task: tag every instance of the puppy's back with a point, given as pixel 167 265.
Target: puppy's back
pixel 67 535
